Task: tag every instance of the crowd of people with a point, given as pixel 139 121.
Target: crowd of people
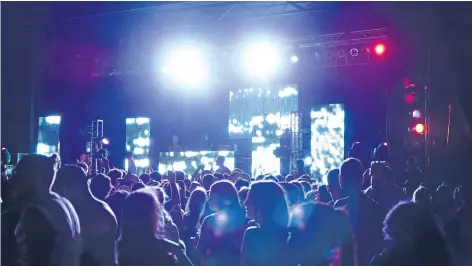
pixel 60 215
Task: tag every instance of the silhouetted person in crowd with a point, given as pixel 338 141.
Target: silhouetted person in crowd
pixel 219 176
pixel 222 232
pixel 145 178
pixel 97 221
pixel 445 205
pixel 193 211
pixel 220 162
pixel 361 152
pixel 194 186
pixel 305 185
pixel 459 230
pixel 422 197
pixel 271 178
pixel 207 181
pixel 115 201
pixel 115 175
pixel 179 176
pixel 301 192
pixel 414 239
pixel 333 243
pixel 241 183
pixel 324 195
pixel 242 194
pixel 365 215
pixel 267 244
pixel 288 178
pixel 333 186
pixel 382 189
pixel 100 186
pixel 156 176
pixel 48 230
pixel 382 153
pixel 293 193
pixel 142 239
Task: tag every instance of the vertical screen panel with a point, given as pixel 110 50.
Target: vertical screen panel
pixel 138 141
pixel 327 138
pixel 48 135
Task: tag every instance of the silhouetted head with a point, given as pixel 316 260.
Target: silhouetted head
pixel 351 174
pixel 100 186
pixel 267 204
pixel 142 215
pixel 223 195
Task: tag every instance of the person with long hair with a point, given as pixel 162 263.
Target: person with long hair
pixel 193 210
pixel 414 238
pixel 142 240
pixel 222 232
pixel 266 244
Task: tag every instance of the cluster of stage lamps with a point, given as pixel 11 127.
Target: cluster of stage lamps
pixel 191 65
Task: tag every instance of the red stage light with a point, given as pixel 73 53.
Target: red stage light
pixel 409 98
pixel 419 128
pixel 379 49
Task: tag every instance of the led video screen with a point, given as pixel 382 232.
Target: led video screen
pixel 189 161
pixel 256 112
pixel 263 159
pixel 327 138
pixel 138 141
pixel 48 135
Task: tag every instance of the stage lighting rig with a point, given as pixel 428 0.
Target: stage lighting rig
pixel 97 152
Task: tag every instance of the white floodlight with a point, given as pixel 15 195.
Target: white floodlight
pixel 261 59
pixel 188 66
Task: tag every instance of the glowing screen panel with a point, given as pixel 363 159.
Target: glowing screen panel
pixel 189 161
pixel 48 135
pixel 327 138
pixel 263 159
pixel 138 141
pixel 256 112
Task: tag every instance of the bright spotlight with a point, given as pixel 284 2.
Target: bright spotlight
pixel 261 59
pixel 294 58
pixel 380 49
pixel 105 141
pixel 188 66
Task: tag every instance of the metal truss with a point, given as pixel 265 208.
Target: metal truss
pixel 327 50
pixel 338 39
